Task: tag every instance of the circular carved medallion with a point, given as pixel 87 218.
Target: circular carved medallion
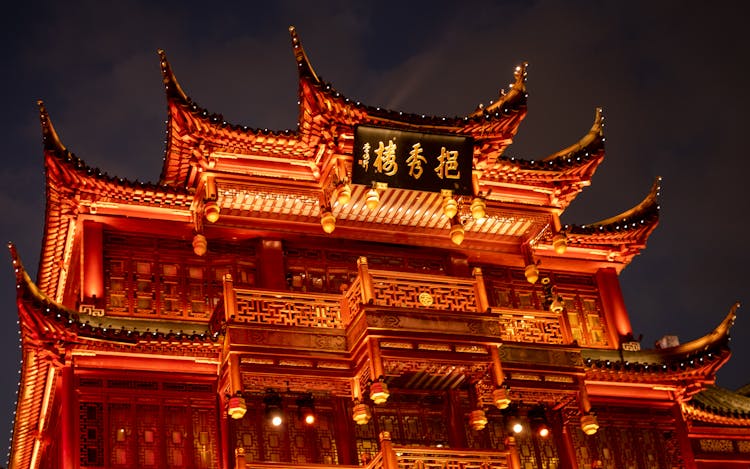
pixel 425 299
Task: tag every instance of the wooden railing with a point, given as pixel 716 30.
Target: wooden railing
pixel 413 458
pixel 386 288
pixel 435 458
pixel 534 327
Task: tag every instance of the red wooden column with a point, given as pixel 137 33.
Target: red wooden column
pixel 271 259
pixel 93 264
pixel 613 304
pixel 68 418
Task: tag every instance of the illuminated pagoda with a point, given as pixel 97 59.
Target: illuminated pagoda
pixel 373 289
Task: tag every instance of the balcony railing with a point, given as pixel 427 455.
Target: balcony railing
pixel 396 457
pixel 385 288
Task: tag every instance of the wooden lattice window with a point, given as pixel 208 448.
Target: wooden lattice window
pixel 161 277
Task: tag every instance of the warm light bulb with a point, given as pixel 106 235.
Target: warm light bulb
pixel 544 432
pixel 309 419
pixel 276 421
pixel 517 427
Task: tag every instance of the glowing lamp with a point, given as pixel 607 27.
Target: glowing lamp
pixel 457 233
pixel 274 414
pixel 379 392
pixel 344 194
pixel 200 244
pixel 478 208
pixel 531 273
pixel 501 398
pixel 306 409
pixel 328 222
pixel 450 207
pixel 361 414
pixel 589 424
pixel 237 407
pixel 543 431
pixel 373 199
pixel 477 419
pixel 517 427
pixel 211 211
pixel 559 243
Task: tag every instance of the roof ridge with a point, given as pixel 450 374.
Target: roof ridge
pixel 304 67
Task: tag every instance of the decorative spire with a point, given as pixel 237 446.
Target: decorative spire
pixel 49 135
pixel 171 86
pixel 303 63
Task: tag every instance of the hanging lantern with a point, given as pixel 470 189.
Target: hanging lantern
pixel 478 208
pixel 450 207
pixel 379 392
pixel 361 414
pixel 200 244
pixel 589 424
pixel 457 232
pixel 501 398
pixel 531 273
pixel 328 221
pixel 237 407
pixel 373 199
pixel 560 243
pixel 477 419
pixel 211 211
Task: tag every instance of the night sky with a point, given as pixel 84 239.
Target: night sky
pixel 672 77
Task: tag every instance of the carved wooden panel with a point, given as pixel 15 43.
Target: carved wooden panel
pixel 400 289
pixel 539 328
pixel 289 309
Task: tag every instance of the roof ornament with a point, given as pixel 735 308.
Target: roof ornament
pixel 49 135
pixel 171 86
pixel 303 63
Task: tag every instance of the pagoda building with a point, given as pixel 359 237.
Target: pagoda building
pixel 373 289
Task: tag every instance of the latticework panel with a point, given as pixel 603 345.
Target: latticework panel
pixel 91 436
pixel 295 309
pixel 441 459
pixel 536 328
pixel 399 289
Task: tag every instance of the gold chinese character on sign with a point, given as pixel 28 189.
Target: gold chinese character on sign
pixel 385 162
pixel 415 161
pixel 448 167
pixel 365 161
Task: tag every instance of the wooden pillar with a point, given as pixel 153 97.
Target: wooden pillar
pixel 613 304
pixel 561 429
pixel 514 459
pixel 68 417
pixel 497 367
pixel 365 281
pixel 376 361
pixel 480 290
pixel 230 300
pixel 390 461
pixel 272 269
pixel 683 438
pixel 343 425
pixel 224 432
pixel 456 423
pixel 92 264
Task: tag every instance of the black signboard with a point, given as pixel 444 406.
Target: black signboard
pixel 412 160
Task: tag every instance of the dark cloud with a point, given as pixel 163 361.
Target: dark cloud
pixel 671 76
